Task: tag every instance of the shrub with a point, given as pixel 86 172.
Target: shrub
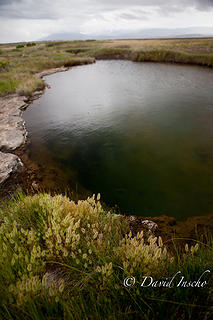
pixel 19 46
pixel 31 44
pixel 49 44
pixel 4 64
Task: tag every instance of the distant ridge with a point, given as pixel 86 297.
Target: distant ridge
pixel 193 32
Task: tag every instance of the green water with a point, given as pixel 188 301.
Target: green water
pixel 141 134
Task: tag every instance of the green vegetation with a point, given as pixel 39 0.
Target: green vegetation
pixel 31 44
pixel 49 44
pixel 77 50
pixel 62 260
pixel 173 57
pixel 105 52
pixel 19 74
pixel 8 86
pixel 19 46
pixel 4 64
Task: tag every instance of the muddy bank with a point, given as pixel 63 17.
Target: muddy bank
pixel 173 232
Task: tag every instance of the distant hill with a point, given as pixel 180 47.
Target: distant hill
pixel 65 36
pixel 193 32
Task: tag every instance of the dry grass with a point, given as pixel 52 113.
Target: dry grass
pixel 24 62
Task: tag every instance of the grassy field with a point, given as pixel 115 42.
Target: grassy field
pixel 66 260
pixel 20 62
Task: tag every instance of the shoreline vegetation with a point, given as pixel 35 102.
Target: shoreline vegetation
pixel 19 63
pixel 67 260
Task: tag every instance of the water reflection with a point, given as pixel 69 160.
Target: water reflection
pixel 140 134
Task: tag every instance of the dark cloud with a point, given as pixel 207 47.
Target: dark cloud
pixel 203 4
pixel 2 2
pixel 27 9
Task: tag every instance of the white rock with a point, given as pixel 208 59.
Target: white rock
pixel 9 163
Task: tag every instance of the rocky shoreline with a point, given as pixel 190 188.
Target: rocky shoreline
pixel 13 133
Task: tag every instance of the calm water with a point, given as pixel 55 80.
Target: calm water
pixel 140 134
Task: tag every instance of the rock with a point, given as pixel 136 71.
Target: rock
pixel 51 71
pixel 149 225
pixel 12 125
pixel 138 224
pixel 9 163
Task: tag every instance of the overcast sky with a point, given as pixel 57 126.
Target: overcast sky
pixel 25 20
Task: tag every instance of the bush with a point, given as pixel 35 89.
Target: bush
pixel 31 44
pixel 19 46
pixel 49 44
pixel 4 64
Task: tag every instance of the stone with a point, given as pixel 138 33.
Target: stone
pixel 138 224
pixel 12 125
pixel 9 163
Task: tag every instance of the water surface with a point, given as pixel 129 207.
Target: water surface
pixel 141 134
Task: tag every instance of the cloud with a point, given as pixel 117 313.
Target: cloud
pixel 98 15
pixel 2 2
pixel 133 16
pixel 203 4
pixel 50 9
pixel 27 9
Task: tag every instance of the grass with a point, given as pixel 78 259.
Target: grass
pixel 62 260
pixel 8 86
pixel 26 59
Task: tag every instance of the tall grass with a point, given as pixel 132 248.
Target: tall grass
pixel 66 260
